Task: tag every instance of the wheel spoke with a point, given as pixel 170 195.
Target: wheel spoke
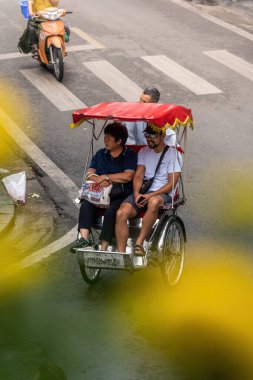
pixel 173 253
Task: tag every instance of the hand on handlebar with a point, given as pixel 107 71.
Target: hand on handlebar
pixel 34 15
pixel 62 11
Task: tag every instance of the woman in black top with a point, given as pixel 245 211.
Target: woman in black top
pixel 113 164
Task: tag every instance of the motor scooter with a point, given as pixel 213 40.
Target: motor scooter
pixel 51 40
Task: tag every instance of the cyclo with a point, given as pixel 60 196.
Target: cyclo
pixel 166 245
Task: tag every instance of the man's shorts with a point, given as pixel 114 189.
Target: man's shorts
pixel 130 199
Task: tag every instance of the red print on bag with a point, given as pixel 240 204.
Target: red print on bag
pixel 95 187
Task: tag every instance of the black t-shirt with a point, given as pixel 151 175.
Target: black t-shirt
pixel 104 163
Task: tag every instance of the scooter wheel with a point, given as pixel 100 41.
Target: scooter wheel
pixel 58 66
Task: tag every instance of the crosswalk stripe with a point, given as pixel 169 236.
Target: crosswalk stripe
pixel 185 77
pixel 53 90
pixel 80 47
pixel 233 62
pixel 13 55
pixel 86 37
pixel 72 48
pixel 115 79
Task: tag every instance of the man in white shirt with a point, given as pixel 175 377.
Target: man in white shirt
pixel 135 128
pixel 161 190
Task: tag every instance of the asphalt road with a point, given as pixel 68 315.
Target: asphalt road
pixel 98 333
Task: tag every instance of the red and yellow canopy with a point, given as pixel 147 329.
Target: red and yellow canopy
pixel 159 116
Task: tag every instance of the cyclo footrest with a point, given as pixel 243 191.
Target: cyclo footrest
pixel 104 259
pixel 110 260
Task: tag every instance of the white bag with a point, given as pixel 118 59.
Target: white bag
pixel 16 186
pixel 95 193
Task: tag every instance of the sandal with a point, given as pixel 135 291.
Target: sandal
pixel 35 53
pixel 35 56
pixel 139 250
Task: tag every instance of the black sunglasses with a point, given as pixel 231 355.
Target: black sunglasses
pixel 150 135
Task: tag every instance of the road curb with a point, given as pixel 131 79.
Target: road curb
pixel 233 12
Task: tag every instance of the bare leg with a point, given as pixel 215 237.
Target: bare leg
pixel 104 245
pixel 84 233
pixel 125 212
pixel 35 52
pixel 150 217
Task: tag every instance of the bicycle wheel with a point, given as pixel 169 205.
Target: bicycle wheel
pixel 173 253
pixel 90 275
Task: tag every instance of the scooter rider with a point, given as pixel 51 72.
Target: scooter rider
pixel 34 7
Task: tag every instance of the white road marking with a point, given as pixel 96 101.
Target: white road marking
pixel 55 173
pixel 213 19
pixel 80 47
pixel 53 90
pixel 88 38
pixel 73 48
pixel 115 79
pixel 36 154
pixel 185 77
pixel 233 62
pixel 45 252
pixel 13 55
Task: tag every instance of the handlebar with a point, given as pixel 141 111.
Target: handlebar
pixel 42 13
pixel 57 13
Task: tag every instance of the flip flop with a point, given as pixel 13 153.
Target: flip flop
pixel 35 55
pixel 139 250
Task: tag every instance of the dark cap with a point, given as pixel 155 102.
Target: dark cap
pixel 150 130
